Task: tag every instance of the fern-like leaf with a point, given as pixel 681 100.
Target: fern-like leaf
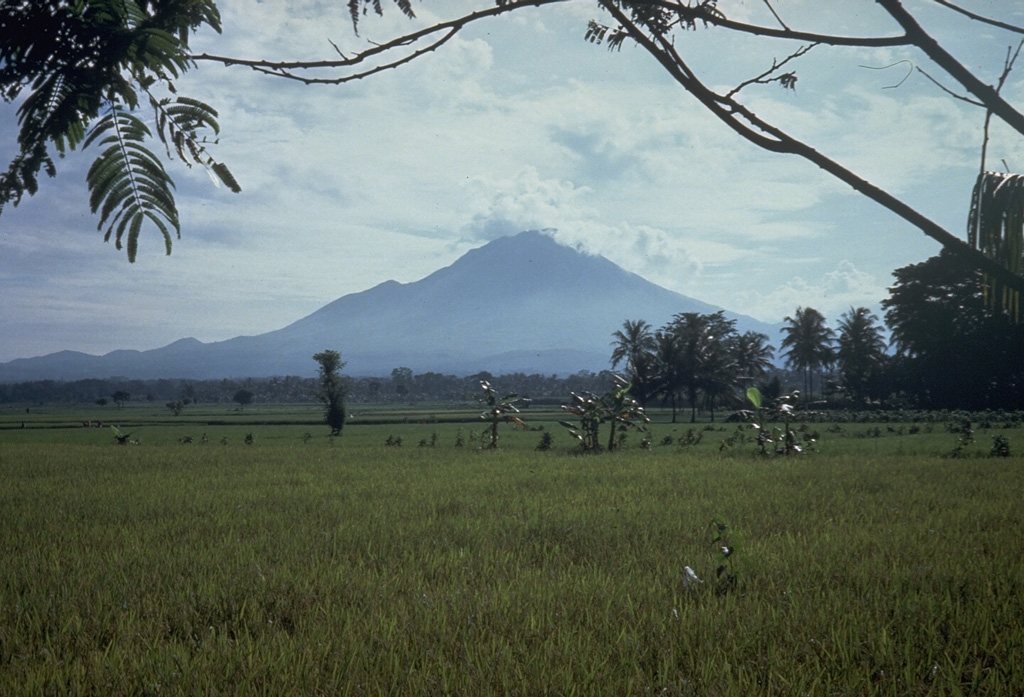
pixel 356 8
pixel 128 184
pixel 76 61
pixel 179 124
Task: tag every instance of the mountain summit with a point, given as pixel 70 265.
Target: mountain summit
pixel 517 304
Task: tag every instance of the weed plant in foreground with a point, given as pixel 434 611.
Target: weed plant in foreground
pixel 284 570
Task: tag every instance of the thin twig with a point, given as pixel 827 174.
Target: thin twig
pixel 1007 67
pixel 980 18
pixel 775 14
pixel 951 93
pixel 763 77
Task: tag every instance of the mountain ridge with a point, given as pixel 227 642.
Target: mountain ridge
pixel 523 303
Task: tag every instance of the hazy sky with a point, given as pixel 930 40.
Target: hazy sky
pixel 518 124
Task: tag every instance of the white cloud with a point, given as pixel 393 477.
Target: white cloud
pixel 833 293
pixel 518 124
pixel 502 207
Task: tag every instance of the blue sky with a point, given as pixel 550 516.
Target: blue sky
pixel 517 124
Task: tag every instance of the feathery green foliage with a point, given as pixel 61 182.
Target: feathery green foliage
pixel 127 183
pixel 82 70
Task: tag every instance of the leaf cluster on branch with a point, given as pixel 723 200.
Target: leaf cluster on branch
pixel 81 72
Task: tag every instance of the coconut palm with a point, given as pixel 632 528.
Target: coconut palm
pixel 704 364
pixel 752 355
pixel 861 350
pixel 635 344
pixel 807 344
pixel 667 358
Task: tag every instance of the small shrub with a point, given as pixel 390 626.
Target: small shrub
pixel 1000 447
pixel 691 438
pixel 545 441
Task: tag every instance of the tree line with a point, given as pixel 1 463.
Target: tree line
pixel 950 348
pixel 401 386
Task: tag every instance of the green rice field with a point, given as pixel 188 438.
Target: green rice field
pixel 889 560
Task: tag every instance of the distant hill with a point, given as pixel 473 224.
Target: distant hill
pixel 518 304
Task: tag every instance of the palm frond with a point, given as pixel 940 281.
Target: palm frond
pixel 995 226
pixel 127 183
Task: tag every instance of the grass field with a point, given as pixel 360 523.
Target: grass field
pixel 303 565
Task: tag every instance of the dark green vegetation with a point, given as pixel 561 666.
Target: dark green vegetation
pixel 332 389
pixel 311 565
pixel 82 73
pixel 952 351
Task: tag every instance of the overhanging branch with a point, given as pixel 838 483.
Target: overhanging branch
pixel 769 137
pixel 923 40
pixel 438 34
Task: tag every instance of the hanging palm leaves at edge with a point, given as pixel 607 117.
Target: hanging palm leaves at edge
pixel 995 226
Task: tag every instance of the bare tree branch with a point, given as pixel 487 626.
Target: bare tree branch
pixel 995 23
pixel 923 40
pixel 1007 67
pixel 775 14
pixel 951 93
pixel 765 135
pixel 785 33
pixel 446 30
pixel 787 79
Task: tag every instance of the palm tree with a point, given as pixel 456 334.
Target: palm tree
pixel 703 358
pixel 666 355
pixel 861 349
pixel 635 344
pixel 807 344
pixel 753 355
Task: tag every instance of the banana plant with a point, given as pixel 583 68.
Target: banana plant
pixel 616 407
pixel 782 440
pixel 499 409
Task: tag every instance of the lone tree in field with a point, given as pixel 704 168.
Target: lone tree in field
pixel 243 397
pixel 120 397
pixel 332 389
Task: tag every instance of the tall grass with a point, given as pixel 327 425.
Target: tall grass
pixel 365 570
